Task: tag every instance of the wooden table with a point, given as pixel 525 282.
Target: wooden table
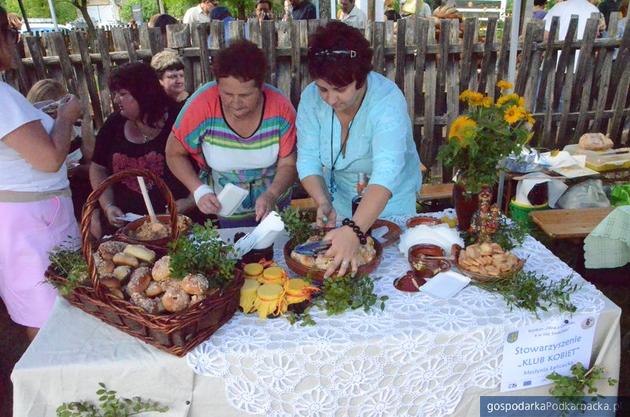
pixel 569 223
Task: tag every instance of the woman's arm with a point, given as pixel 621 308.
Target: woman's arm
pixel 179 163
pixel 315 187
pixel 284 178
pixel 46 153
pixel 98 174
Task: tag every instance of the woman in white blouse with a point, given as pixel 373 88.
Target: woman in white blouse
pixel 35 203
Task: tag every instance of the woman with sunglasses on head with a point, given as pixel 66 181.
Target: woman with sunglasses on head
pixel 35 201
pixel 352 124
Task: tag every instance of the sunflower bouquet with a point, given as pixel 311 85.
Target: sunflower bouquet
pixel 488 132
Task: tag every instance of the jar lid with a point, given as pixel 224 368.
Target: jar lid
pixel 253 269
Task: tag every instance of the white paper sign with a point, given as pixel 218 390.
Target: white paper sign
pixel 532 352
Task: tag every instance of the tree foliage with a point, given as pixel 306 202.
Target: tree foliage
pixel 39 9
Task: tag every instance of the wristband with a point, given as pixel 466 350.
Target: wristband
pixel 356 229
pixel 201 191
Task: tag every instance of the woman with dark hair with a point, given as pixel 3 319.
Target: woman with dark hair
pixel 353 124
pixel 35 201
pixel 241 130
pixel 135 137
pixel 170 70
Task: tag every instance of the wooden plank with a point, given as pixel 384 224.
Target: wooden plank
pixel 35 48
pixel 615 127
pixel 569 223
pixel 129 45
pixel 296 64
pixel 445 34
pixel 532 79
pixel 452 80
pixel 400 57
pixel 621 63
pixel 421 37
pixel 548 140
pixel 378 43
pixel 504 53
pixel 584 76
pixel 204 55
pixel 390 42
pixel 489 59
pixel 436 192
pixel 526 59
pixel 254 32
pixel 410 70
pixel 64 61
pixel 566 60
pixel 604 77
pixel 283 66
pixel 104 71
pixel 427 144
pixel 156 40
pixel 118 38
pixel 269 47
pixel 89 95
pixel 470 36
pixel 549 63
pixel 564 82
pixel 178 36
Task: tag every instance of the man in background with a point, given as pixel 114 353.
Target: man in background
pixel 303 10
pixel 352 15
pixel 199 13
pixel 264 10
pixel 539 9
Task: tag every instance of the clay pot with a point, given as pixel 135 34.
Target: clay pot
pixel 408 282
pixel 421 264
pixel 426 220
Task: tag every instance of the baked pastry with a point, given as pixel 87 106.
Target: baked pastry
pixel 595 142
pixel 123 259
pixel 140 252
pixel 195 284
pixel 103 267
pixel 150 305
pixel 161 270
pixel 196 299
pixel 175 300
pixel 253 270
pixel 140 280
pixel 108 249
pixel 154 289
pixel 122 272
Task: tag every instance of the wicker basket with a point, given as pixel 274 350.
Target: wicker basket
pixel 481 278
pixel 176 333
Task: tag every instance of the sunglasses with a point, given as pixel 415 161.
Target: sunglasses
pixel 336 53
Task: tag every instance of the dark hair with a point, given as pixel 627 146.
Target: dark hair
pixel 142 82
pixel 220 13
pixel 243 60
pixel 540 2
pixel 339 54
pixel 5 57
pixel 163 20
pixel 265 1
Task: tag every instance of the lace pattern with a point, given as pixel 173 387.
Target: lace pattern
pixel 417 357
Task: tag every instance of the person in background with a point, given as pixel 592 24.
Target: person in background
pixel 135 137
pixel 539 11
pixel 35 202
pixel 170 70
pixel 303 10
pixel 353 123
pixel 564 10
pixel 352 15
pixel 241 131
pixel 390 11
pixel 288 10
pixel 199 13
pixel 42 94
pixel 223 14
pixel 264 10
pixel 606 7
pixel 409 8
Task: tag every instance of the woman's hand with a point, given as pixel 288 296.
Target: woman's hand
pixel 264 204
pixel 184 205
pixel 326 215
pixel 70 109
pixel 344 250
pixel 209 204
pixel 112 213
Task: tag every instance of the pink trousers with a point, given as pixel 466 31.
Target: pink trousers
pixel 28 231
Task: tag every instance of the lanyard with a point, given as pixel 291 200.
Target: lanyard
pixel 332 184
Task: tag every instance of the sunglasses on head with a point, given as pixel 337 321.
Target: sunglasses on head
pixel 13 34
pixel 336 53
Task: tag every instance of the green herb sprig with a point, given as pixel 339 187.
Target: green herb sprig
pixel 534 292
pixel 109 406
pixel 341 294
pixel 68 263
pixel 570 389
pixel 203 251
pixel 297 225
pixel 509 235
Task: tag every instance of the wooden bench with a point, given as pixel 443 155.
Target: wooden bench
pixel 569 223
pixel 435 192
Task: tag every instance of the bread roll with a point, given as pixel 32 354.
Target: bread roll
pixel 195 284
pixel 123 259
pixel 150 305
pixel 109 282
pixel 161 269
pixel 139 281
pixel 103 267
pixel 122 272
pixel 140 252
pixel 595 142
pixel 154 289
pixel 175 300
pixel 108 249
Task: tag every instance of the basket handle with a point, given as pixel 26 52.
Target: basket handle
pixel 92 203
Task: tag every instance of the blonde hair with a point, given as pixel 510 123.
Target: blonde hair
pixel 47 89
pixel 166 60
pixel 15 21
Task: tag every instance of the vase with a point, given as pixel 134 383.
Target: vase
pixel 465 203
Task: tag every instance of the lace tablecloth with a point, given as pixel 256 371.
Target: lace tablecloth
pixel 417 357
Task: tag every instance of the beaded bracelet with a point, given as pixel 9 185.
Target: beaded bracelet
pixel 356 229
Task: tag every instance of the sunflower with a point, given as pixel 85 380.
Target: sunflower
pixel 515 98
pixel 461 127
pixel 504 85
pixel 486 102
pixel 530 119
pixel 513 114
pixel 473 98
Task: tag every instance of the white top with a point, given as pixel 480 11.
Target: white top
pixel 15 173
pixel 582 8
pixel 356 18
pixel 195 15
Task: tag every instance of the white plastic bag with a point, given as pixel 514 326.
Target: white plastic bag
pixel 587 194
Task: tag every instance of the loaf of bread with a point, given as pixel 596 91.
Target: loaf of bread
pixel 140 252
pixel 595 142
pixel 126 260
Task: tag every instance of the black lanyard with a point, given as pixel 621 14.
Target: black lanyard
pixel 332 184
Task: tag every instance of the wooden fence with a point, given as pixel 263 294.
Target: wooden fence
pixel 566 99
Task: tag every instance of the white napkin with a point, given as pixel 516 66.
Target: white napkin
pixel 262 236
pixel 445 284
pixel 555 188
pixel 562 159
pixel 440 235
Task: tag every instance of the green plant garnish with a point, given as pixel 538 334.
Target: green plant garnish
pixel 340 294
pixel 68 263
pixel 297 224
pixel 509 235
pixel 534 292
pixel 202 251
pixel 570 389
pixel 109 406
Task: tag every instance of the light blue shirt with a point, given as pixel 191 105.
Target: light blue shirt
pixel 380 145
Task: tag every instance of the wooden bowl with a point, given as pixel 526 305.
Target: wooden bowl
pixel 482 278
pixel 317 274
pixel 393 232
pixel 126 233
pixel 425 220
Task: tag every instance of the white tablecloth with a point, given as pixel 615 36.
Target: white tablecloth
pixel 421 356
